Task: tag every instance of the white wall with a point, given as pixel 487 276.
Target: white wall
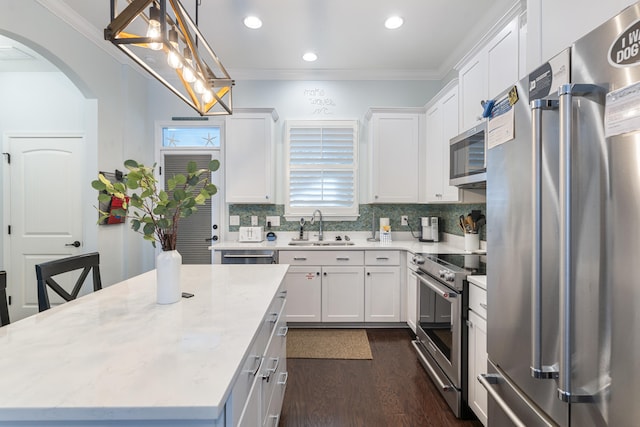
pixel 117 129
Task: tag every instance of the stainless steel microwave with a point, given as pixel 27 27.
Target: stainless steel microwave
pixel 468 158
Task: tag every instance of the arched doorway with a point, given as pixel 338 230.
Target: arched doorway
pixel 48 131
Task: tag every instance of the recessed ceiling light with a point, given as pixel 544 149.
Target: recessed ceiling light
pixel 393 22
pixel 252 22
pixel 309 56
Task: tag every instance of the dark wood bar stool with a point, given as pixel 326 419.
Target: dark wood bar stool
pixel 4 308
pixel 46 271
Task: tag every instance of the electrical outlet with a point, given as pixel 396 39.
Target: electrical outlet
pixel 404 220
pixel 234 219
pixel 254 220
pixel 274 220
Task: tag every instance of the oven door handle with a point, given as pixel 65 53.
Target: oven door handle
pixel 434 374
pixel 440 290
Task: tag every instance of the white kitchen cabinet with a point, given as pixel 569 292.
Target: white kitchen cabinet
pixel 338 276
pixel 550 31
pixel 343 294
pixel 382 286
pixel 477 324
pixel 412 295
pixel 487 73
pixel 394 155
pixel 249 156
pixel 382 294
pixel 258 391
pixel 474 88
pixel 441 126
pixel 503 59
pixel 304 294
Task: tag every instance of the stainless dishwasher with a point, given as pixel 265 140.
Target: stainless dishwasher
pixel 249 256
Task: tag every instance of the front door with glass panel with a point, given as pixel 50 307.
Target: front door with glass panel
pixel 180 145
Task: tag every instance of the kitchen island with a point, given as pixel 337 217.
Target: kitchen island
pixel 115 357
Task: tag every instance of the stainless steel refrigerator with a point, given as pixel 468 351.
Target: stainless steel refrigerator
pixel 563 230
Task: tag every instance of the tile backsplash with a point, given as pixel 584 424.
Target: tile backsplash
pixel 448 213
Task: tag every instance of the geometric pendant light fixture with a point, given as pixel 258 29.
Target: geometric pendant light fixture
pixel 162 38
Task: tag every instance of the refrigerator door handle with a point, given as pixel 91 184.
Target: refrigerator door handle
pixel 566 93
pixel 538 370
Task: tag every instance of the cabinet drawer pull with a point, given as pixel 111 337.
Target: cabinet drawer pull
pixel 274 316
pixel 282 332
pixel 255 371
pixel 269 371
pixel 383 258
pixel 300 258
pixel 284 376
pixel 483 305
pixel 346 258
pixel 275 419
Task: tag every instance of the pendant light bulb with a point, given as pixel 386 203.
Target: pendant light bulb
pixel 207 96
pixel 173 58
pixel 199 85
pixel 153 31
pixel 187 69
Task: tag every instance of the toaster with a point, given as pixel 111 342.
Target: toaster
pixel 250 234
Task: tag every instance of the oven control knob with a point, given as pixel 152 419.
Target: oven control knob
pixel 442 273
pixel 449 277
pixel 418 260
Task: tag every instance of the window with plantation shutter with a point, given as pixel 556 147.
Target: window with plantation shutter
pixel 322 160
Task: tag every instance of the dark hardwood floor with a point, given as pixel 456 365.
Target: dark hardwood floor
pixel 391 390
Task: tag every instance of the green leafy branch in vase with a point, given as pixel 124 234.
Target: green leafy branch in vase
pixel 157 212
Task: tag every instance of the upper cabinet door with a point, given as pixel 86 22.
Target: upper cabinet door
pixel 394 160
pixel 249 157
pixel 473 89
pixel 442 125
pixel 503 59
pixel 488 72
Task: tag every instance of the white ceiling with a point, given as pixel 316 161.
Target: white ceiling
pixel 348 36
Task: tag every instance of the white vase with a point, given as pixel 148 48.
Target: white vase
pixel 168 264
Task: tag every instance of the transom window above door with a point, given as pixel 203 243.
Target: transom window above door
pixel 200 137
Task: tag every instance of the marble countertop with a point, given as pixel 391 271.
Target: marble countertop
pixel 115 354
pixel 453 244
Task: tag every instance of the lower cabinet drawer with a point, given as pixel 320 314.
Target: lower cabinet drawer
pixel 274 363
pixel 478 300
pixel 321 257
pixel 382 257
pixel 275 406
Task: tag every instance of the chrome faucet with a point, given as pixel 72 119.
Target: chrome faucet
pixel 313 219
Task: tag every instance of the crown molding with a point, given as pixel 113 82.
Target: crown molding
pixel 78 23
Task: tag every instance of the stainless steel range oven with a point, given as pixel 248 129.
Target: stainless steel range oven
pixel 441 334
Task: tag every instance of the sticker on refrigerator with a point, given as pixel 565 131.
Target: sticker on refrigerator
pixel 625 50
pixel 502 123
pixel 622 111
pixel 545 80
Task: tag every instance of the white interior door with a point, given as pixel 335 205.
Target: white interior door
pixel 45 192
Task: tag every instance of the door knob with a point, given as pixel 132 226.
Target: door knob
pixel 75 244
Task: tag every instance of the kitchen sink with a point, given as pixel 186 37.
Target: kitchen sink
pixel 323 243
